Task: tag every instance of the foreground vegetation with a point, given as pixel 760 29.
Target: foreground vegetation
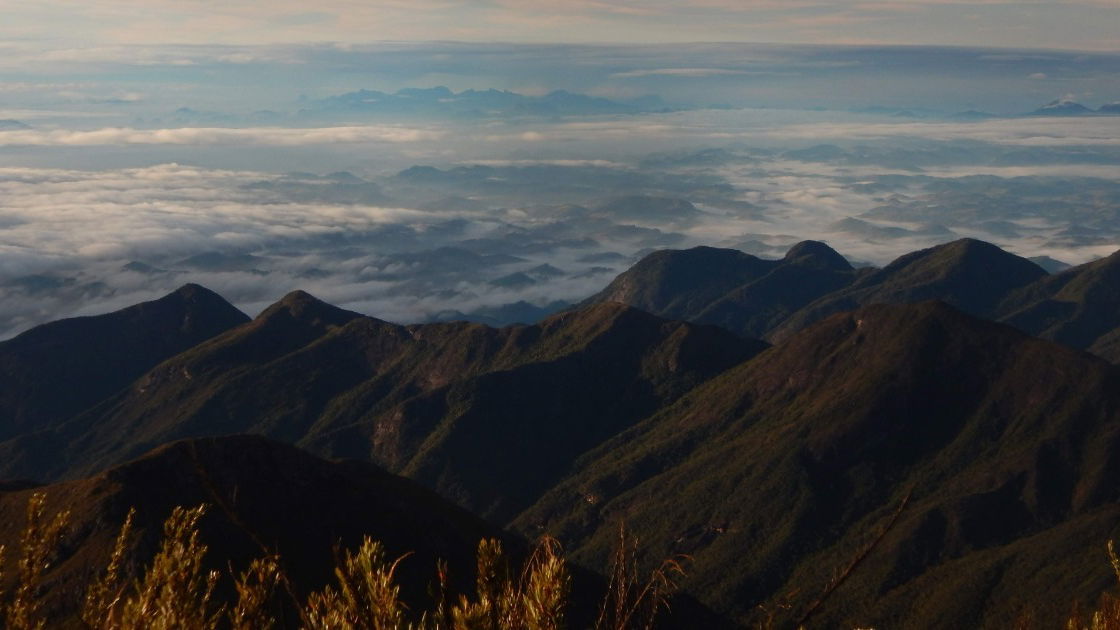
pixel 176 592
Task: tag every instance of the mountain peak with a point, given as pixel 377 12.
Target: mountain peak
pixel 970 252
pixel 94 356
pixel 817 254
pixel 197 294
pixel 1062 107
pixel 302 306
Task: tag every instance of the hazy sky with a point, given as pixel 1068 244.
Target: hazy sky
pixel 1060 24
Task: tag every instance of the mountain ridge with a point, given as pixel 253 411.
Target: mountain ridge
pixel 97 355
pixel 815 442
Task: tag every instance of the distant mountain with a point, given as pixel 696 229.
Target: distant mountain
pixel 56 370
pixel 973 114
pixel 520 312
pixel 8 124
pixel 515 280
pixel 1062 107
pixel 487 417
pixel 777 474
pixel 1109 108
pixel 1051 265
pixel 474 103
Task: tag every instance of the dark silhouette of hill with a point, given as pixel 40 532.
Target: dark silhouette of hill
pixel 729 288
pixel 772 299
pixel 266 497
pixel 1078 307
pixel 778 473
pixel 488 417
pixel 56 370
pixel 971 275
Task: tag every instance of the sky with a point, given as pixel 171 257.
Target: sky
pixel 78 24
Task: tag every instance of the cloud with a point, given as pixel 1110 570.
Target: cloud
pixel 376 244
pixel 112 22
pixel 694 72
pixel 1026 132
pixel 66 237
pixel 256 136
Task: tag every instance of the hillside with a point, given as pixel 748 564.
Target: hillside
pixel 56 370
pixel 777 474
pixel 261 492
pixel 971 275
pixel 488 417
pixel 729 288
pixel 266 497
pixel 1078 307
pixel 772 299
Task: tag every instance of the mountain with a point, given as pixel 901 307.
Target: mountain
pixel 737 291
pixel 1109 108
pixel 520 312
pixel 1076 307
pixel 772 299
pixel 971 275
pixel 973 114
pixel 266 497
pixel 441 101
pixel 1051 265
pixel 996 450
pixel 56 370
pixel 1062 107
pixel 8 124
pixel 488 417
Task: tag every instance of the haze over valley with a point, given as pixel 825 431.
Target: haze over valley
pixel 529 182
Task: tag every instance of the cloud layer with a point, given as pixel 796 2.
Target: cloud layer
pixel 1055 24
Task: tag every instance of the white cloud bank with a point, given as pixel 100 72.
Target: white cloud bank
pixel 255 136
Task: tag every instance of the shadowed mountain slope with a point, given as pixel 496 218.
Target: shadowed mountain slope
pixel 266 497
pixel 57 370
pixel 971 275
pixel 772 299
pixel 488 417
pixel 1077 307
pixel 728 288
pixel 778 473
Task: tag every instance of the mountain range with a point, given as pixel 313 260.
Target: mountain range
pixel 929 444
pixel 771 299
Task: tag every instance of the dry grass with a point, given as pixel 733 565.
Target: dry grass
pixel 256 588
pixel 1107 614
pixel 632 602
pixel 38 545
pixel 176 592
pixel 104 595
